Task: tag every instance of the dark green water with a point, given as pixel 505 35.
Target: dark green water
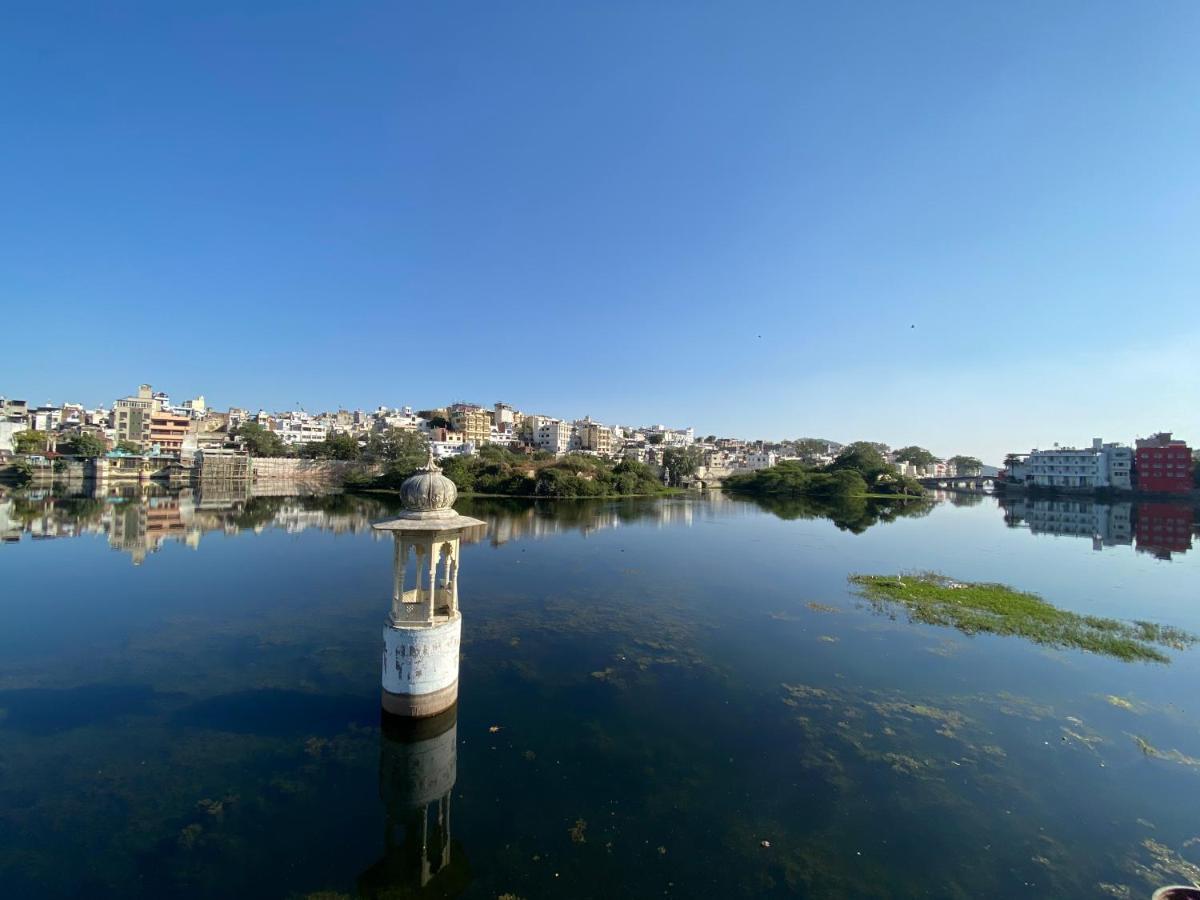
pixel 650 690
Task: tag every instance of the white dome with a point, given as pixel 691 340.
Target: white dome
pixel 428 490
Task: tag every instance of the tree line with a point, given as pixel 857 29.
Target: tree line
pixel 860 468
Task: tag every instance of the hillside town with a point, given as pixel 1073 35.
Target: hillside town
pixel 149 435
pixel 151 428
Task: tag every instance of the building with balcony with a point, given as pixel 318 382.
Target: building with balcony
pixel 169 432
pixel 553 436
pixel 595 437
pixel 131 417
pixel 1075 469
pixel 473 422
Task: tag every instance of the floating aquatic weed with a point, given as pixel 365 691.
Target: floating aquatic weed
pixel 982 607
pixel 1119 702
pixel 1084 736
pixel 1164 865
pixel 1174 756
pixel 822 607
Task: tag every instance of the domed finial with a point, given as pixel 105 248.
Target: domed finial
pixel 430 464
pixel 428 493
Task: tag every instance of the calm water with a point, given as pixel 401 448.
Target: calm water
pixel 189 694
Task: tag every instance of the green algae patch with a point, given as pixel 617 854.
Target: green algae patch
pixel 975 608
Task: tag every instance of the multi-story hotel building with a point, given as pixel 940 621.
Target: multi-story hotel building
pixel 1069 468
pixel 131 417
pixel 553 435
pixel 595 437
pixel 169 431
pixel 1163 465
pixel 473 422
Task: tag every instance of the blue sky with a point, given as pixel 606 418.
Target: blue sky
pixel 970 226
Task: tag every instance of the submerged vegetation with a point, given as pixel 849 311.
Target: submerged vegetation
pixel 998 609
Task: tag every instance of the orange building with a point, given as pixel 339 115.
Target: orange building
pixel 168 431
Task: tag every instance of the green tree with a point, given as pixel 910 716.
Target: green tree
pixel 83 444
pixel 22 470
pixel 811 450
pixel 398 446
pixel 401 451
pixel 682 462
pixel 862 457
pixel 461 471
pixel 966 465
pixel 918 456
pixel 30 441
pixel 260 441
pixel 654 438
pixel 129 447
pixel 335 446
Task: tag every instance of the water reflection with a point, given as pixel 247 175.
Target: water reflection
pixel 418 766
pixel 228 745
pixel 140 521
pixel 853 514
pixel 1159 529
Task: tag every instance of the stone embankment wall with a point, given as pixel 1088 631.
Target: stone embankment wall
pixel 313 472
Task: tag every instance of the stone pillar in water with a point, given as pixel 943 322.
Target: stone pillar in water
pixel 421 637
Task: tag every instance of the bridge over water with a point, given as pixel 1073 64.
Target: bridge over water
pixel 976 484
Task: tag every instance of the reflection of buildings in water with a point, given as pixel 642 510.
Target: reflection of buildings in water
pixel 1159 528
pixel 140 520
pixel 142 528
pixel 1106 524
pixel 1164 528
pixel 418 766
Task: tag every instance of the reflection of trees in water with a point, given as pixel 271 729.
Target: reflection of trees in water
pixel 513 517
pixel 853 514
pixel 508 518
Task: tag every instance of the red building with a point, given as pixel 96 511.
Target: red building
pixel 1164 528
pixel 1163 465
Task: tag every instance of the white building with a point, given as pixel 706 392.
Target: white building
pixel 404 419
pixel 296 430
pixel 1099 466
pixel 447 448
pixel 553 436
pixel 8 431
pixel 45 418
pixel 504 436
pixel 760 459
pixel 672 437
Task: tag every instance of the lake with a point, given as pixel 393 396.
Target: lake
pixel 677 697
